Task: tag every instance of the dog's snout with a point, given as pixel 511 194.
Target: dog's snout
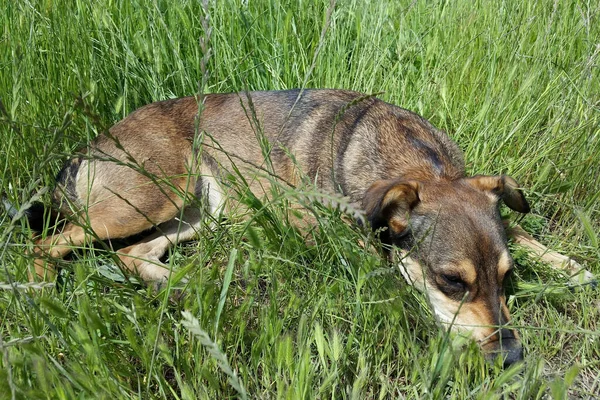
pixel 507 346
pixel 510 350
pixel 512 356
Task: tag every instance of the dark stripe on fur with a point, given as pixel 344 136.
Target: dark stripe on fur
pixel 340 175
pixel 66 181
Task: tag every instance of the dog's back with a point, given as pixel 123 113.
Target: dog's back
pixel 344 141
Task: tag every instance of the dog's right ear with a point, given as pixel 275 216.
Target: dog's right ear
pixel 504 187
pixel 388 203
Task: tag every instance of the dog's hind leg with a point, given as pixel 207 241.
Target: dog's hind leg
pixel 55 246
pixel 103 224
pixel 558 261
pixel 143 258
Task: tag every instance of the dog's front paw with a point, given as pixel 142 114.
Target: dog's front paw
pixel 580 275
pixel 577 274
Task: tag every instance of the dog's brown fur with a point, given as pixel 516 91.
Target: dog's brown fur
pixel 407 176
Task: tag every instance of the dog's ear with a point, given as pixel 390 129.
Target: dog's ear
pixel 388 204
pixel 504 187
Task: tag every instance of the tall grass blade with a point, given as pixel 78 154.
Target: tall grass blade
pixel 225 288
pixel 587 227
pixel 193 325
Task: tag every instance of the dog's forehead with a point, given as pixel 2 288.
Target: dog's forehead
pixel 459 226
pixel 453 192
pixel 458 206
pixel 448 205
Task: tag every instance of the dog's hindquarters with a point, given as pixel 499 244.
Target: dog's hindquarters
pixel 141 175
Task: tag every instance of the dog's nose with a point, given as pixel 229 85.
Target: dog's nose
pixel 512 356
pixel 509 348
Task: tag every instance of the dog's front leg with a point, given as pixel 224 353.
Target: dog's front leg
pixel 558 261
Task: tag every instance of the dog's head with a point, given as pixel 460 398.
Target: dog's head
pixel 457 253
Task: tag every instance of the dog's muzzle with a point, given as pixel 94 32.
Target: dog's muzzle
pixel 507 346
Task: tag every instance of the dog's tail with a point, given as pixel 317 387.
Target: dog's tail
pixel 35 213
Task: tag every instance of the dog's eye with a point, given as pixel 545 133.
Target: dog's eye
pixel 454 281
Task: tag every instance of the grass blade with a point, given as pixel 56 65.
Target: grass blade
pixel 193 325
pixel 225 288
pixel 587 226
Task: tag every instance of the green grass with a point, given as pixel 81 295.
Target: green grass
pixel 267 315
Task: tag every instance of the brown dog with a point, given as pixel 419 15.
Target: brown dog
pixel 408 177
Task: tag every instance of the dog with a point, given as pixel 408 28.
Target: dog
pixel 443 229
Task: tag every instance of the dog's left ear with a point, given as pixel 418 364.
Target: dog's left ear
pixel 388 203
pixel 504 187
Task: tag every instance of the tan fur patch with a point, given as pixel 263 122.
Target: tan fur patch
pixel 468 272
pixel 504 265
pixel 404 193
pixel 410 269
pixel 470 317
